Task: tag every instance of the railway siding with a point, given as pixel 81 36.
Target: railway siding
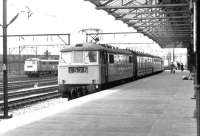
pixel 28 96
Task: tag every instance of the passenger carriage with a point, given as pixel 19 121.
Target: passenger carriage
pixel 158 64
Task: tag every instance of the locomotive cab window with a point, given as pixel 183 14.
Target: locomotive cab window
pixel 90 56
pixel 66 57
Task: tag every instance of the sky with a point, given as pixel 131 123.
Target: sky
pixel 65 16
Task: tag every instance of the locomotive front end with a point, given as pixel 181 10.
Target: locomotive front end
pixel 78 71
pixel 31 66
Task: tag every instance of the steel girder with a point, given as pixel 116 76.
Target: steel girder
pixel 167 22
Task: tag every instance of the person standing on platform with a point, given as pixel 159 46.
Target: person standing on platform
pixel 172 68
pixel 182 67
pixel 178 65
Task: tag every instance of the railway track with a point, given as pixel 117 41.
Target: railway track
pixel 12 78
pixel 29 83
pixel 29 96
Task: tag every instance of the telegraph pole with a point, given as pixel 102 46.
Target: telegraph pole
pixel 5 67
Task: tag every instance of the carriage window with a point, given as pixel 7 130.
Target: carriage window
pixel 66 57
pixel 90 56
pixel 53 63
pixel 130 59
pixel 111 58
pixel 116 58
pixel 43 63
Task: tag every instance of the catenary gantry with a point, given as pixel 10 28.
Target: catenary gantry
pixel 167 22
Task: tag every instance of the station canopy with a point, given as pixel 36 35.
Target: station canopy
pixel 167 22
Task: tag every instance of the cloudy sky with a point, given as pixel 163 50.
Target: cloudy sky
pixel 64 16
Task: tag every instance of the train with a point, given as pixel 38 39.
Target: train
pixel 34 67
pixel 88 67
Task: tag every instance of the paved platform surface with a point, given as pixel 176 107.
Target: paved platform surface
pixel 158 105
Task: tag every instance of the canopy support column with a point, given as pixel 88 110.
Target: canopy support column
pixel 197 60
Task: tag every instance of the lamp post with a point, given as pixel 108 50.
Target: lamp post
pixel 5 74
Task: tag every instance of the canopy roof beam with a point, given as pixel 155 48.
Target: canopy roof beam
pixel 143 6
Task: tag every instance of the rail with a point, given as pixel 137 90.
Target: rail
pixel 29 96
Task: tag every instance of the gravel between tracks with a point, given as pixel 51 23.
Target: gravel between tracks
pixel 36 107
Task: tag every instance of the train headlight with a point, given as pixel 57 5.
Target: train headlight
pixel 63 81
pixel 93 81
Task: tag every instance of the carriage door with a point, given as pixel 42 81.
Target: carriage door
pixel 104 67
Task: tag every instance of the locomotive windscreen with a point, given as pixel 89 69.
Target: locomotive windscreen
pixel 84 57
pixel 30 62
pixel 66 57
pixel 78 57
pixel 90 56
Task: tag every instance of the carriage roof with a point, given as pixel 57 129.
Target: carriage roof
pixel 146 55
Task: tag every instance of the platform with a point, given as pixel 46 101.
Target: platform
pixel 159 105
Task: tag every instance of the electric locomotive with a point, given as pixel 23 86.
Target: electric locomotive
pixel 89 67
pixel 37 67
